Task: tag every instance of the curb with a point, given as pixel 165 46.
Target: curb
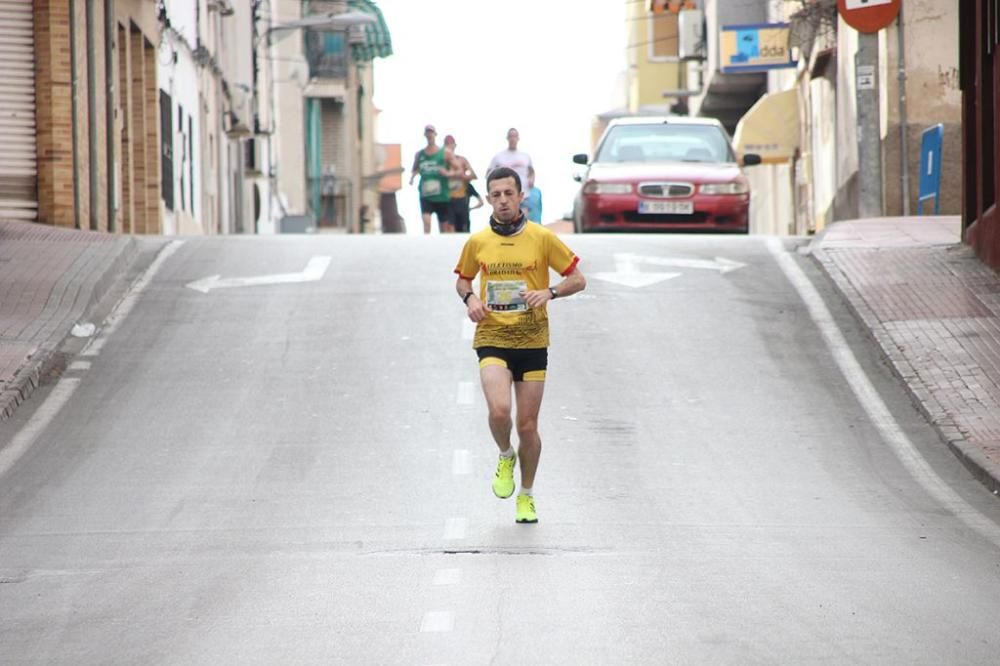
pixel 983 469
pixel 46 358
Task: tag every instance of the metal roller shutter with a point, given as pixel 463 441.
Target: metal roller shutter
pixel 18 168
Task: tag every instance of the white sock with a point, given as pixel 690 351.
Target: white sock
pixel 509 453
pixel 526 491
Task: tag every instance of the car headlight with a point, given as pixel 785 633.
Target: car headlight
pixel 607 188
pixel 735 187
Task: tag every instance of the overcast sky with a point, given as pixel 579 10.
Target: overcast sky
pixel 474 69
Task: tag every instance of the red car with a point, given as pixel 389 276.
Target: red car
pixel 664 174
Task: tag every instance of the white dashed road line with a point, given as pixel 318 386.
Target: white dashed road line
pixel 437 621
pixel 456 528
pixel 461 462
pixel 466 393
pixel 447 577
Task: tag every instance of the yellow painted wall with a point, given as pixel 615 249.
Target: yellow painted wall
pixel 650 38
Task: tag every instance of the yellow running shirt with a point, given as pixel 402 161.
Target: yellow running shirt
pixel 507 266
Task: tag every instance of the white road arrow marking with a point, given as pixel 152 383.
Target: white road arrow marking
pixel 627 274
pixel 720 264
pixel 313 272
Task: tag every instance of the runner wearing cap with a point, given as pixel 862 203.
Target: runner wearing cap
pixel 434 167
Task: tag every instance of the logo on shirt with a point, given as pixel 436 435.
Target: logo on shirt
pixel 508 268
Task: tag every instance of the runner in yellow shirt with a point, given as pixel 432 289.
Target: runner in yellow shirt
pixel 513 259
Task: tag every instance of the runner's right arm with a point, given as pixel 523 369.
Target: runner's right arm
pixel 475 308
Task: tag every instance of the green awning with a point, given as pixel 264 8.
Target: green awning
pixel 377 43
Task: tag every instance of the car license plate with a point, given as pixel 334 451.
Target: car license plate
pixel 668 207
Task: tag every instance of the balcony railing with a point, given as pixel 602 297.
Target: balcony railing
pixel 328 66
pixel 324 63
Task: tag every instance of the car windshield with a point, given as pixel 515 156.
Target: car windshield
pixel 665 142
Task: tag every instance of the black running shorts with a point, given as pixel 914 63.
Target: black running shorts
pixel 526 365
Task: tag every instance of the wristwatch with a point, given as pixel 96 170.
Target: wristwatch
pixel 555 294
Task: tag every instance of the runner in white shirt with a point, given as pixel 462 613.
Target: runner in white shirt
pixel 512 158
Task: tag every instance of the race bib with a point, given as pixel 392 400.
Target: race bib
pixel 506 295
pixel 430 188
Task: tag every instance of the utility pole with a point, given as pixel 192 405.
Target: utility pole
pixel 869 126
pixel 868 17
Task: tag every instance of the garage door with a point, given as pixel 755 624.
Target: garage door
pixel 18 169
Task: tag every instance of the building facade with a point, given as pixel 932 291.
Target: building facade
pixel 979 76
pixel 79 114
pixel 324 83
pixel 162 116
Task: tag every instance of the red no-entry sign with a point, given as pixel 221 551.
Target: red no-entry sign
pixel 868 15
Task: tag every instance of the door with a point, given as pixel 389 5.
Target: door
pixel 18 166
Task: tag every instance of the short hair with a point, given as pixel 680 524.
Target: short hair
pixel 503 172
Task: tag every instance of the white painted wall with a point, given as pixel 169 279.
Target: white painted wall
pixel 178 76
pixel 291 74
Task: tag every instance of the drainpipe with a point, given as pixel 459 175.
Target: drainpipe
pixel 110 37
pixel 92 114
pixel 75 88
pixel 904 148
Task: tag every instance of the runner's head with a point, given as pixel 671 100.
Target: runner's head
pixel 503 189
pixel 430 133
pixel 513 136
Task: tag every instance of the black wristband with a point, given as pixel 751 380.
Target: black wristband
pixel 555 294
pixel 465 299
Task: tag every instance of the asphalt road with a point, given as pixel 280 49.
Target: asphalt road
pixel 300 473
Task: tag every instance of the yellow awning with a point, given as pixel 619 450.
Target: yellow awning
pixel 771 127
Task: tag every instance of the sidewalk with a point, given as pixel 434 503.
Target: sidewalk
pixel 50 279
pixel 934 309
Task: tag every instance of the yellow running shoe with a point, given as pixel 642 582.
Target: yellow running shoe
pixel 503 482
pixel 526 509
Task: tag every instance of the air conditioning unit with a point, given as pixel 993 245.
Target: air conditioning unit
pixel 691 35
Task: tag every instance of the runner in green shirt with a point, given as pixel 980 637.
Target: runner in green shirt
pixel 434 167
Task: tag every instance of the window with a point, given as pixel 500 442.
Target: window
pixel 674 142
pixel 180 131
pixel 166 150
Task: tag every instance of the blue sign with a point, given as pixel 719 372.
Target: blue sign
pixel 931 144
pixel 754 48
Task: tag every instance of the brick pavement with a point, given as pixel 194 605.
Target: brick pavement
pixel 934 309
pixel 50 278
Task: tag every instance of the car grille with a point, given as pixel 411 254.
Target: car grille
pixel 666 190
pixel 665 218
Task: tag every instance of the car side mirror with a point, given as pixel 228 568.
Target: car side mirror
pixel 751 159
pixel 580 158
